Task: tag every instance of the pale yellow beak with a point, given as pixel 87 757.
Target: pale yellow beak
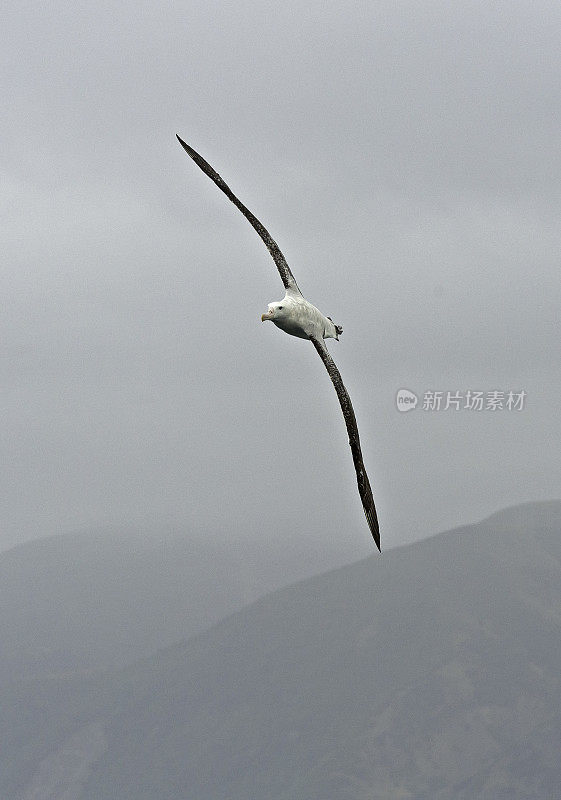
pixel 265 316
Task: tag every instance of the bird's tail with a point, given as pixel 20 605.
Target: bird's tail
pixel 338 328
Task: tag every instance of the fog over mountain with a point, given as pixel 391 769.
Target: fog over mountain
pixel 432 671
pixel 99 599
pixel 219 627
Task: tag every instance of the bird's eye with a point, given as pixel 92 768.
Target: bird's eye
pixel 280 308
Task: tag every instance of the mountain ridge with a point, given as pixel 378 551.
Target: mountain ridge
pixel 432 671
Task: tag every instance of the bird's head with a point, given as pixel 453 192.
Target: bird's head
pixel 275 311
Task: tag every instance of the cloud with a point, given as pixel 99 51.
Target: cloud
pixel 404 158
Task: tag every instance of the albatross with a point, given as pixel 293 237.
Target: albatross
pixel 296 316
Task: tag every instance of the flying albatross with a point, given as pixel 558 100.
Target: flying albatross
pixel 296 316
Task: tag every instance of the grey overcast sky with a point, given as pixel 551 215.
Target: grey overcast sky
pixel 405 156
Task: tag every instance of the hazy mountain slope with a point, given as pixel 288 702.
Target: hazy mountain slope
pixel 433 671
pixel 107 598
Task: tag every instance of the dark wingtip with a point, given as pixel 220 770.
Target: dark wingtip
pixel 372 520
pixel 185 146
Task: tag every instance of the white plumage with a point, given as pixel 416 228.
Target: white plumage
pixel 294 315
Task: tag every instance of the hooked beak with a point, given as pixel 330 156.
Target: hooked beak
pixel 265 316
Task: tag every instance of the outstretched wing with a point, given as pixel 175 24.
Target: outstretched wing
pixel 352 429
pixel 273 248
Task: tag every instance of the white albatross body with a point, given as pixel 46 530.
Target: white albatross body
pixel 297 317
pixel 294 315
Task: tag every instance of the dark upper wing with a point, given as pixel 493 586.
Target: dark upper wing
pixel 273 248
pixel 352 429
